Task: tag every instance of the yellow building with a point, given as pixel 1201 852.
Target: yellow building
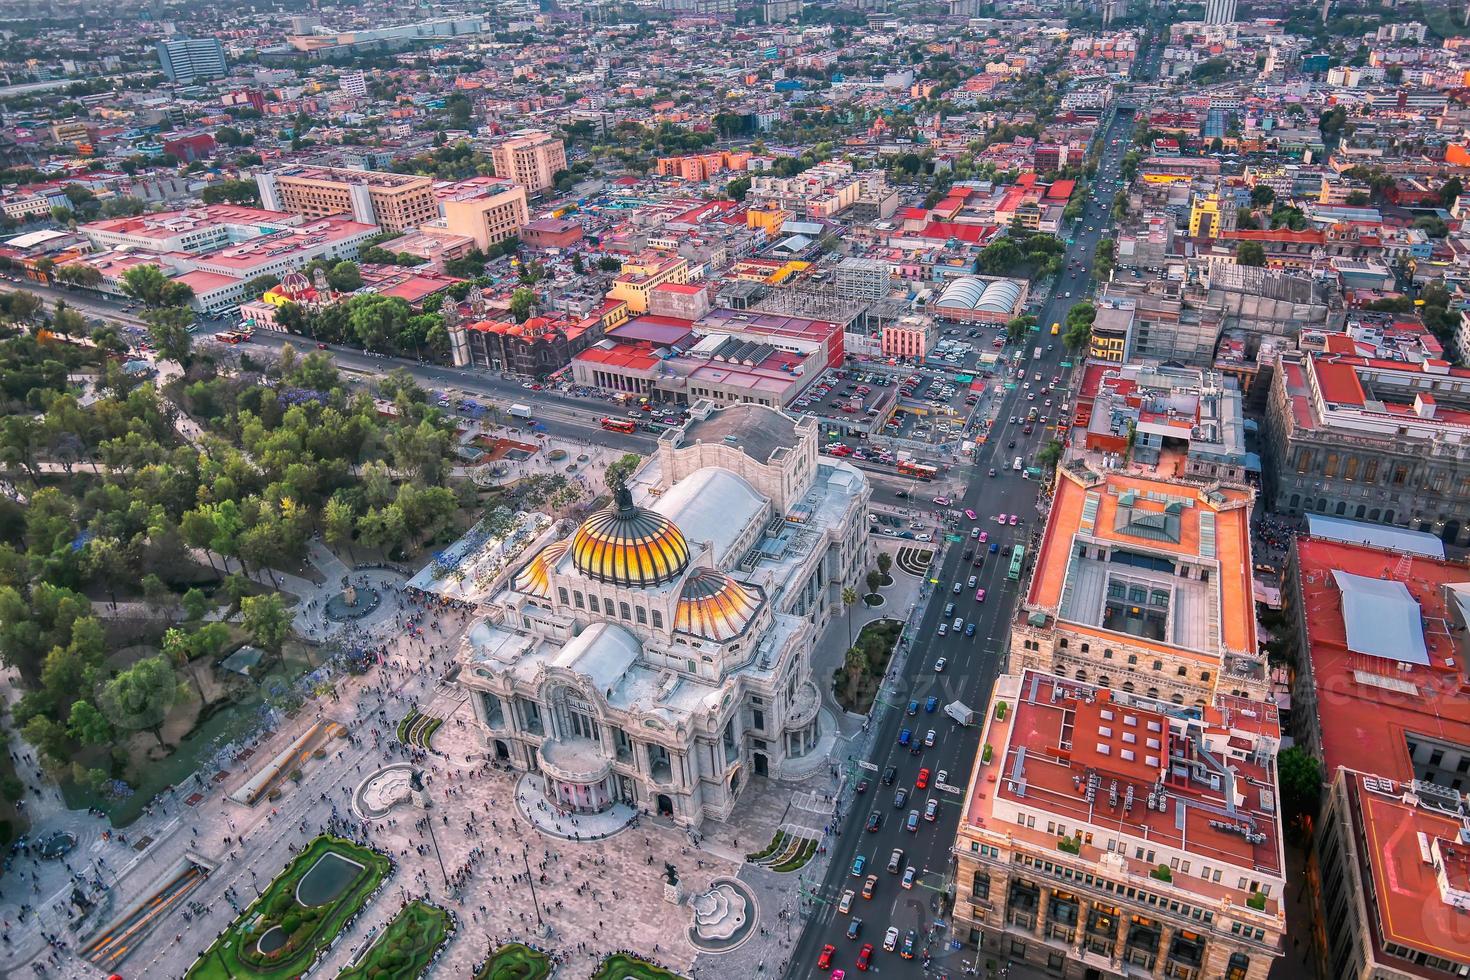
pixel 1207 218
pixel 768 220
pixel 641 275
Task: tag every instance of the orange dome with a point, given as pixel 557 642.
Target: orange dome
pixel 535 578
pixel 629 546
pixel 715 606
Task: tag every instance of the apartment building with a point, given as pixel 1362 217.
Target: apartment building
pixel 1371 439
pixel 1380 700
pixel 818 192
pixel 531 158
pixel 641 275
pixel 488 209
pixel 394 202
pixel 1108 834
pixel 1143 585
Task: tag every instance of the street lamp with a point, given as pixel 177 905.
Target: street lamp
pixel 531 880
pixel 434 841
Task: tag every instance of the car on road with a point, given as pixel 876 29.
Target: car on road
pixel 931 809
pixel 895 860
pixel 875 820
pixel 970 583
pixel 929 739
pixel 913 707
pixel 889 774
pixel 865 956
pixel 905 736
pixel 912 823
pixel 862 786
pixel 923 779
pixel 957 588
pixel 942 662
pixel 870 885
pixel 858 863
pixel 979 595
pixel 942 776
pixel 900 797
pixel 970 629
pixel 969 513
pixel 992 471
pixel 907 952
pixel 844 905
pixel 974 533
pixel 824 962
pixel 984 536
pixel 942 501
pixel 854 927
pixel 994 547
pixel 1013 520
pixel 890 939
pixel 908 879
pixel 931 704
pixel 1000 518
pixel 943 629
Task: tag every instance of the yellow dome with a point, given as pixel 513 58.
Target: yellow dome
pixel 715 606
pixel 629 546
pixel 535 578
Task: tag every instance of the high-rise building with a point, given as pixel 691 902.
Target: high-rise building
pixel 531 158
pixel 189 59
pixel 1219 11
pixel 353 83
pixel 1111 835
pixel 394 202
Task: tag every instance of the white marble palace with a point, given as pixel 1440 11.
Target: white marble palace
pixel 661 654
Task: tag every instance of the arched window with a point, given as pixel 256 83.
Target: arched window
pixel 624 611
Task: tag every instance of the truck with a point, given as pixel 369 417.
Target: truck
pixel 960 712
pixel 519 411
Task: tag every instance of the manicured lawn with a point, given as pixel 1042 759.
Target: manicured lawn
pixel 405 948
pixel 618 966
pixel 306 931
pixel 514 961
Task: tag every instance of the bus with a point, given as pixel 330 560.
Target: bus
pixel 230 337
pixel 1018 555
pixel 618 425
pixel 918 471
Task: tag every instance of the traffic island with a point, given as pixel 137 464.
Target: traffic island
pixel 299 915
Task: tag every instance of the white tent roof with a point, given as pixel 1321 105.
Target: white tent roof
pixel 1383 619
pixel 1375 535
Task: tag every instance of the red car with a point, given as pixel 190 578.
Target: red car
pixel 865 956
pixel 824 962
pixel 923 779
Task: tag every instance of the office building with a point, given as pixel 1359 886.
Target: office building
pixel 1380 699
pixel 1143 585
pixel 190 59
pixel 1371 439
pixel 1110 835
pixel 660 656
pixel 394 202
pixel 531 158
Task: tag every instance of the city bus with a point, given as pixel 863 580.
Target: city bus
pixel 618 425
pixel 1018 555
pixel 917 470
pixel 231 337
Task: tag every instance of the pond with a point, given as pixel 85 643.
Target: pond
pixel 271 940
pixel 327 879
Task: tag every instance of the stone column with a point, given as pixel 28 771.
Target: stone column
pixel 1166 936
pixel 1043 902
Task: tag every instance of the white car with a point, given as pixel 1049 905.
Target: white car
pixel 890 938
pixel 941 663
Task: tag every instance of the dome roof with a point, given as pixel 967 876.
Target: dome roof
pixel 629 546
pixel 715 606
pixel 535 578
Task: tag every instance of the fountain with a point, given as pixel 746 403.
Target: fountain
pixel 353 602
pixel 724 916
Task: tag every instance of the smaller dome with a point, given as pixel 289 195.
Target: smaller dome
pixel 535 578
pixel 715 606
